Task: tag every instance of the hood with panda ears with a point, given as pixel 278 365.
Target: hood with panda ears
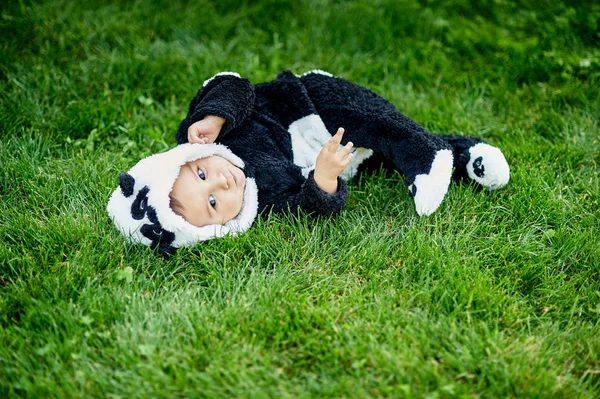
pixel 140 206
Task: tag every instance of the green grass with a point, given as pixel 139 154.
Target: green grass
pixel 497 294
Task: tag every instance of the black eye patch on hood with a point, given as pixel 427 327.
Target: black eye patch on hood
pixel 126 183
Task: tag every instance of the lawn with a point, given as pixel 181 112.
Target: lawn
pixel 497 294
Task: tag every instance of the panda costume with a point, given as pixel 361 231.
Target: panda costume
pixel 274 132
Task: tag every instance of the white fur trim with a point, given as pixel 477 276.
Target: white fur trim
pixel 317 72
pixel 359 154
pixel 158 172
pixel 432 187
pixel 494 167
pixel 309 135
pixel 237 75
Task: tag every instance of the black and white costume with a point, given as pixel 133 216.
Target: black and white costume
pixel 278 128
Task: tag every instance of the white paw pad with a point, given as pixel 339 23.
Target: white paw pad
pixel 430 189
pixel 487 166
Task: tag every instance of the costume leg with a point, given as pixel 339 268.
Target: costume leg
pixel 476 160
pixel 374 123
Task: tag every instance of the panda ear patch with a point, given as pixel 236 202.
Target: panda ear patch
pixel 126 182
pixel 139 206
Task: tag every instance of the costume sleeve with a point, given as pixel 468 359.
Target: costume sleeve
pixel 311 199
pixel 226 95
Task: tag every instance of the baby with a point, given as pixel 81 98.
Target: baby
pixel 249 149
pixel 210 190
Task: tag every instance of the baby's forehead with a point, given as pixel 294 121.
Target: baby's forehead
pixel 211 160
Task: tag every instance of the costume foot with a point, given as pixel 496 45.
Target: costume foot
pixel 487 166
pixel 430 189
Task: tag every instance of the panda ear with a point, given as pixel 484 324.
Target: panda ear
pixel 166 249
pixel 126 182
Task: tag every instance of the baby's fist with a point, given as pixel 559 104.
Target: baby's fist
pixel 331 162
pixel 206 130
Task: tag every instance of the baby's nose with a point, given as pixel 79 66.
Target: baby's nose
pixel 223 181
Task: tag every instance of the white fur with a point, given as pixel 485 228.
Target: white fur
pixel 432 187
pixel 159 172
pixel 359 154
pixel 309 135
pixel 237 75
pixel 317 72
pixel 496 171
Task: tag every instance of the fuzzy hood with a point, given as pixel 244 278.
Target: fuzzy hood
pixel 140 205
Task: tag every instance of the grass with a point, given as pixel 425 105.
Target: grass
pixel 497 294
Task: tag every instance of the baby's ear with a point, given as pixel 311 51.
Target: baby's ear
pixel 126 183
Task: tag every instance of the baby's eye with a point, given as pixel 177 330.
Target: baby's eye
pixel 201 174
pixel 212 201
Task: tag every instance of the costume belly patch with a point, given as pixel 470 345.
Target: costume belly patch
pixel 309 135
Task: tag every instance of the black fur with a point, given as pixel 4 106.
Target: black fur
pixel 126 182
pixel 161 238
pixel 478 168
pixel 258 118
pixel 140 204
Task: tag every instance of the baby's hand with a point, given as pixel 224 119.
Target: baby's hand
pixel 205 131
pixel 331 162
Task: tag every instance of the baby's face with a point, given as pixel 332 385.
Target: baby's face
pixel 210 190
